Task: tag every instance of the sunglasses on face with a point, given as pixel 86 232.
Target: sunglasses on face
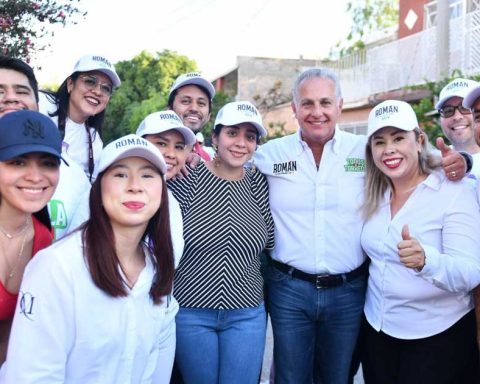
pixel 91 82
pixel 449 110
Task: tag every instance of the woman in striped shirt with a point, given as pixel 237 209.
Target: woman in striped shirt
pixel 221 323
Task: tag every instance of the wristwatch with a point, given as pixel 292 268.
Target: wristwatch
pixel 468 160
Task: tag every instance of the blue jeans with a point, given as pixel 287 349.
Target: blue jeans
pixel 220 346
pixel 314 330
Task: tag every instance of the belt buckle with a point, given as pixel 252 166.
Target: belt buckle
pixel 318 281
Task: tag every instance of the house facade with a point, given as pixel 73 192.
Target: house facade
pixel 432 40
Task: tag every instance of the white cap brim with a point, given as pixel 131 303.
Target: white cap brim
pixel 199 81
pixel 117 150
pixel 471 97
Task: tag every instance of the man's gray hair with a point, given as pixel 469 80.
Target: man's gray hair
pixel 310 73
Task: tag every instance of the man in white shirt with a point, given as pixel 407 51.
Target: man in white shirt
pixel 472 102
pixel 190 97
pixel 317 277
pixel 457 121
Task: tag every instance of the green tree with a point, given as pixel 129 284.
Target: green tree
pixel 220 99
pixel 26 24
pixel 367 16
pixel 275 130
pixel 146 81
pixel 425 109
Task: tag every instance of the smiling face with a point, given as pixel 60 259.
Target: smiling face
pixel 458 128
pixel 317 110
pixel 172 146
pixel 191 104
pixel 131 192
pixel 16 92
pixel 28 182
pixel 85 100
pixel 236 145
pixel 476 120
pixel 396 152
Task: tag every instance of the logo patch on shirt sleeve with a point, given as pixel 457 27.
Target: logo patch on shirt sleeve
pixel 58 214
pixel 285 168
pixel 354 165
pixel 26 305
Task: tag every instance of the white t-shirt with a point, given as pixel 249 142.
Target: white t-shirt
pixel 67 205
pixel 176 227
pixel 75 142
pixel 476 166
pixel 66 330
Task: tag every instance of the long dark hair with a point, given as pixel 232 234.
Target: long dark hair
pixel 101 257
pixel 62 99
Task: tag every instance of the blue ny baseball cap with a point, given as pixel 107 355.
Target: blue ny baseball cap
pixel 27 131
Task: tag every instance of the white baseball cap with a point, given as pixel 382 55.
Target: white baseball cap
pixel 458 87
pixel 392 113
pixel 97 63
pixel 471 96
pixel 131 146
pixel 193 78
pixel 159 122
pixel 199 137
pixel 239 112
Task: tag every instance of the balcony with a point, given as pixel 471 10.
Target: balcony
pixel 409 61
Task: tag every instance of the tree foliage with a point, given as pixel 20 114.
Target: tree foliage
pixel 425 108
pixel 146 81
pixel 26 24
pixel 367 16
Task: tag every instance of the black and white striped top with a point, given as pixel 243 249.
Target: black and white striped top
pixel 226 225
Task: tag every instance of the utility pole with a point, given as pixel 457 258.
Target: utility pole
pixel 443 38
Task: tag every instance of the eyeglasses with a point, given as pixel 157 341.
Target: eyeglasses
pixel 449 110
pixel 90 82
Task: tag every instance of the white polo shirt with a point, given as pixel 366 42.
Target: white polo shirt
pixel 316 212
pixel 66 330
pixel 444 217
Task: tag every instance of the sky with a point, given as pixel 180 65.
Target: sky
pixel 211 32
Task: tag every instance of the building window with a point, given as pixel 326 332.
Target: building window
pixel 358 128
pixel 458 8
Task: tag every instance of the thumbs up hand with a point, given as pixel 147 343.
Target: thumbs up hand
pixel 444 148
pixel 454 165
pixel 410 251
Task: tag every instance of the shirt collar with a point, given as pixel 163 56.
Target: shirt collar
pixel 334 143
pixel 434 180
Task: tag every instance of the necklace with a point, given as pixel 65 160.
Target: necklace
pixel 11 236
pixel 22 247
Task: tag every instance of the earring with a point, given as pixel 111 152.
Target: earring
pixel 216 158
pixel 253 167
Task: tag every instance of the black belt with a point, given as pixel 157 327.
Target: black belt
pixel 321 281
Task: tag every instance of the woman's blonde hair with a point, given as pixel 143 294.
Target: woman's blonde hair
pixel 376 182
